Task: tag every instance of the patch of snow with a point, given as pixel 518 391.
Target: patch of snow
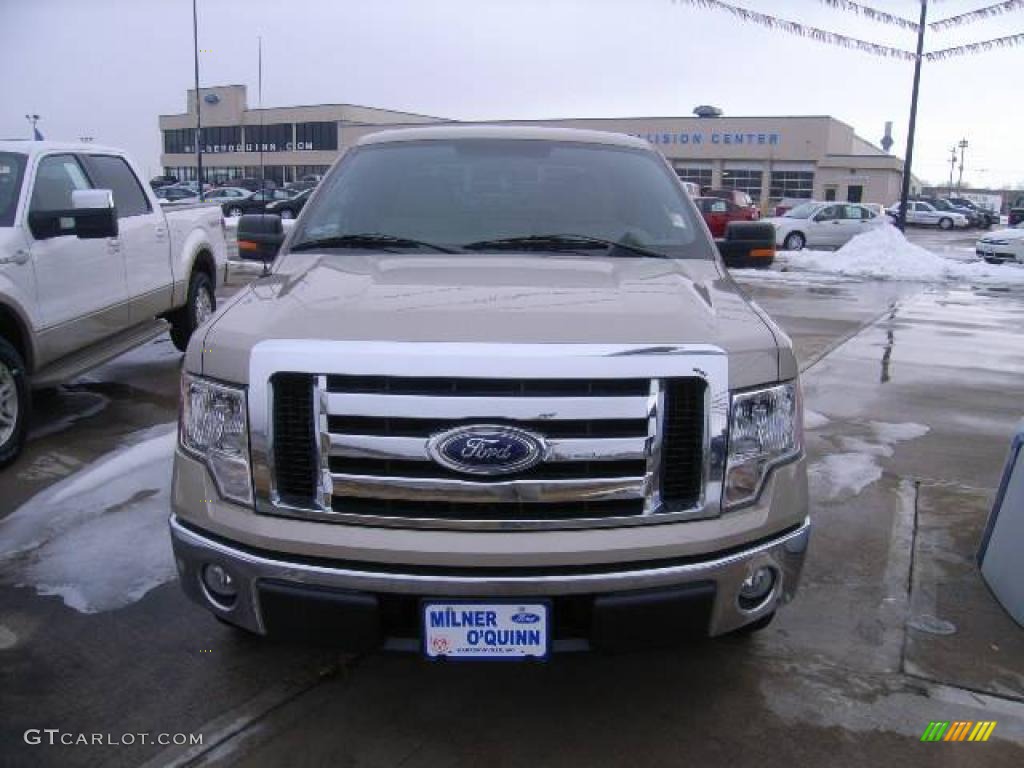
pixel 839 474
pixel 814 420
pixel 98 538
pixel 883 253
pixel 856 466
pixel 898 433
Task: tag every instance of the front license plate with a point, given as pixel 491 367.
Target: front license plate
pixel 485 630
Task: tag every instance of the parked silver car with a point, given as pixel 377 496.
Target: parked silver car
pixel 925 215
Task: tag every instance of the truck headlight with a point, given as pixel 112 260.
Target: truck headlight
pixel 214 428
pixel 765 429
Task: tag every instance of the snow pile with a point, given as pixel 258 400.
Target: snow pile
pixel 883 253
pixel 98 538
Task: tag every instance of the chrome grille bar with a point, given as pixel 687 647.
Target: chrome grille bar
pixel 455 408
pixel 536 491
pixel 559 449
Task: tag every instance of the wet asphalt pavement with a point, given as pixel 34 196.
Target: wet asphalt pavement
pixel 912 392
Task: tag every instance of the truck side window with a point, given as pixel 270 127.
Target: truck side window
pixel 113 173
pixel 56 178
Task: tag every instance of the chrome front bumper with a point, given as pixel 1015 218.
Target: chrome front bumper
pixel 193 550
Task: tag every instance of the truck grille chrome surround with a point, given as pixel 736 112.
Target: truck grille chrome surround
pixel 633 434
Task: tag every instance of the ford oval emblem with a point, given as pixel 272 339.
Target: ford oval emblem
pixel 525 617
pixel 487 449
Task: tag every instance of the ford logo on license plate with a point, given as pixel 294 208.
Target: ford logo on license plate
pixel 487 449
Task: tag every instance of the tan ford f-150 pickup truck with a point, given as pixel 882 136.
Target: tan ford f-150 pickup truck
pixel 496 397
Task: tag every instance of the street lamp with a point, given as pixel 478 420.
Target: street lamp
pixel 960 180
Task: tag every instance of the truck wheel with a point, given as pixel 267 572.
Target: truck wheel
pixel 794 242
pixel 945 223
pixel 200 305
pixel 235 211
pixel 15 403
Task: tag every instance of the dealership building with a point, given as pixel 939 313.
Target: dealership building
pixel 769 157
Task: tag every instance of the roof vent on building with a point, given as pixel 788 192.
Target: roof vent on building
pixel 706 110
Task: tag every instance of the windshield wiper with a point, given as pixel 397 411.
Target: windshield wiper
pixel 366 240
pixel 559 243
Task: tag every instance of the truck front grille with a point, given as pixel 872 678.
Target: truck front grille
pixel 355 448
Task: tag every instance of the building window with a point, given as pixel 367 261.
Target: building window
pixel 223 175
pixel 748 181
pixel 319 136
pixel 792 184
pixel 178 141
pixel 219 139
pixel 699 176
pixel 279 173
pixel 310 170
pixel 269 138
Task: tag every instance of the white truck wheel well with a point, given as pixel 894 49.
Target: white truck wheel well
pixel 13 331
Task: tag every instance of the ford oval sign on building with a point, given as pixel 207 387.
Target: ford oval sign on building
pixel 487 449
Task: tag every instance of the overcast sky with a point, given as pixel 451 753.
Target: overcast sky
pixel 107 68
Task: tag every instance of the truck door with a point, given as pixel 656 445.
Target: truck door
pixel 80 282
pixel 145 241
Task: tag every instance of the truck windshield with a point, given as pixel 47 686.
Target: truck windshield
pixel 12 169
pixel 471 192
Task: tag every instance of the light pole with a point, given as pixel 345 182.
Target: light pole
pixel 908 160
pixel 952 167
pixel 960 179
pixel 33 119
pixel 199 101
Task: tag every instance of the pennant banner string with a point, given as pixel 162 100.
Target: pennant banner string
pixel 803 30
pixel 987 12
pixel 873 13
pixel 1010 41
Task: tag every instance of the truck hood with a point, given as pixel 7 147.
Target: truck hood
pixel 506 298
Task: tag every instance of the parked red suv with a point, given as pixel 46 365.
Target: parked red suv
pixel 737 197
pixel 718 212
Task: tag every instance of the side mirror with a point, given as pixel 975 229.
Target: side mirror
pixel 260 236
pixel 748 244
pixel 92 216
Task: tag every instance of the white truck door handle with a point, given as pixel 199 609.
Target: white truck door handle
pixel 160 233
pixel 20 256
pixel 114 245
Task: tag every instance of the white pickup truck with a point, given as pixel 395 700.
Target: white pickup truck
pixel 90 267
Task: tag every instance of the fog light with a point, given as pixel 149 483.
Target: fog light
pixel 219 584
pixel 756 588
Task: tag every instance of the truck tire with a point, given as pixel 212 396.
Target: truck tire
pixel 15 403
pixel 201 303
pixel 945 223
pixel 235 211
